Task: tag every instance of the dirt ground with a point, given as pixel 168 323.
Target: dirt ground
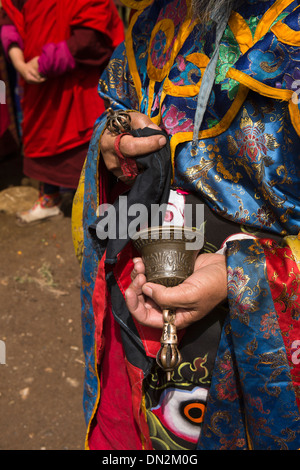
pixel 40 331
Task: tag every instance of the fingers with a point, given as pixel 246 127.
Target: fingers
pixel 194 298
pixel 171 297
pixel 145 311
pixel 132 147
pixel 135 146
pixel 132 300
pixel 34 78
pixel 31 75
pixel 138 268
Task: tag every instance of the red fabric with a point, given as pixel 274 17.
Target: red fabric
pixel 102 16
pixel 15 15
pixel 114 427
pixel 149 336
pixel 60 113
pixel 60 170
pixel 122 270
pixel 136 377
pixel 284 276
pixel 119 422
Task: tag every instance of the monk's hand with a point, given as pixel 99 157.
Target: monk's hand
pixel 193 299
pixel 28 70
pixel 32 71
pixel 130 147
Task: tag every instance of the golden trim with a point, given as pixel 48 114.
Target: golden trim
pixel 135 5
pixel 199 60
pixel 157 119
pixel 184 31
pixel 167 27
pixel 131 57
pixel 285 34
pixel 218 129
pixel 269 17
pixel 76 217
pixel 150 96
pixel 95 344
pixel 244 40
pixel 293 243
pixel 241 31
pixel 265 90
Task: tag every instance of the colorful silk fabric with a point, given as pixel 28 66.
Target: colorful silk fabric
pixel 246 170
pixel 254 395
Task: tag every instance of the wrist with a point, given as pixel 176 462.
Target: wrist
pixel 18 64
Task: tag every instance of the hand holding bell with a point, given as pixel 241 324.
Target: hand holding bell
pixel 167 262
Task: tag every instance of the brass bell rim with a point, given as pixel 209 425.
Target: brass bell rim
pixel 160 233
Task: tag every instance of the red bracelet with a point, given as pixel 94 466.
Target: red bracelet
pixel 128 165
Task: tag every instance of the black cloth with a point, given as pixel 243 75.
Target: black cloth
pixel 151 186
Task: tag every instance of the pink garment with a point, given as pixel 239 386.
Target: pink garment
pixel 9 36
pixel 56 59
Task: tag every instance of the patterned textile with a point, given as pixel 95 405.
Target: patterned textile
pixel 246 172
pixel 254 396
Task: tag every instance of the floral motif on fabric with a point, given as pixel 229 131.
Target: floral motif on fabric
pixel 176 120
pixel 251 141
pixel 256 356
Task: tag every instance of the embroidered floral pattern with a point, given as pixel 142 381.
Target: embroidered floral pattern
pixel 243 304
pixel 251 141
pixel 176 121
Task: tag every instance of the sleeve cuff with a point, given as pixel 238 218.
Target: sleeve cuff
pixel 10 36
pixel 56 59
pixel 236 236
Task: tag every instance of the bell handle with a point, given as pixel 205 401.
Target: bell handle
pixel 168 357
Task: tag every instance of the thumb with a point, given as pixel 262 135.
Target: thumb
pixel 165 297
pixel 136 146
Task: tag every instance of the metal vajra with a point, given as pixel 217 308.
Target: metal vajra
pixel 118 121
pixel 168 357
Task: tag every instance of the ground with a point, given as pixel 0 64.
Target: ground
pixel 41 359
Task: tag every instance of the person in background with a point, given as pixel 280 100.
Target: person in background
pixel 59 49
pixel 9 136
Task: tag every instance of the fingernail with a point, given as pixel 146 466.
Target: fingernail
pixel 147 291
pixel 162 141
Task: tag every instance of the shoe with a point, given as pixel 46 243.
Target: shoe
pixel 39 212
